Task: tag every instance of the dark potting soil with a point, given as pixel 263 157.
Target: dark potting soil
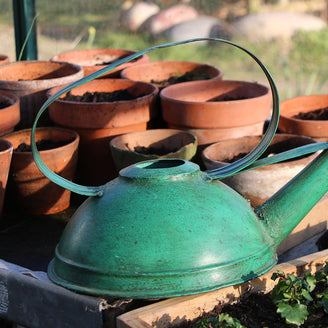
pixel 189 76
pixel 4 105
pixel 153 150
pixel 320 114
pixel 227 98
pixel 234 158
pixel 258 311
pixel 94 97
pixel 108 62
pixel 274 149
pixel 42 145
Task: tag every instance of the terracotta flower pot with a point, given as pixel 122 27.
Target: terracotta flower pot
pixel 9 112
pixel 135 147
pixel 93 60
pixel 98 122
pixel 6 151
pixel 164 73
pixel 213 106
pixel 259 184
pixel 28 186
pixel 30 80
pixel 304 104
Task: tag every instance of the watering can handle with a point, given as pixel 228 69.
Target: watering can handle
pixel 213 174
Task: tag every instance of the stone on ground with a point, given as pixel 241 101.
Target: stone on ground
pixel 273 25
pixel 168 17
pixel 199 27
pixel 137 14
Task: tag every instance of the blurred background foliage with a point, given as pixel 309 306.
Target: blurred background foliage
pixel 298 66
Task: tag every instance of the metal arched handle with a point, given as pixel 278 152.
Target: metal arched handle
pixel 213 174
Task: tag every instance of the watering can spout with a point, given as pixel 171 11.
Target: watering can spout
pixel 285 209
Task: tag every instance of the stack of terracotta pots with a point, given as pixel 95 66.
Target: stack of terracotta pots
pixel 98 122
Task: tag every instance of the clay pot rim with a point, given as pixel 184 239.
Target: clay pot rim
pixel 12 98
pixel 283 136
pixel 117 141
pixel 74 134
pixel 182 85
pixel 153 93
pixel 94 53
pixel 9 115
pixel 25 83
pixel 166 63
pixel 287 113
pixel 6 145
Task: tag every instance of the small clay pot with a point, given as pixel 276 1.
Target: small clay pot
pixel 30 80
pixel 164 73
pixel 9 113
pixel 135 147
pixel 215 104
pixel 93 60
pixel 27 185
pixel 98 122
pixel 259 184
pixel 6 151
pixel 303 104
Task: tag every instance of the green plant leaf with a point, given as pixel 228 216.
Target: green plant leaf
pixel 207 323
pixel 225 320
pixel 324 303
pixel 310 281
pixel 306 295
pixel 294 314
pixel 278 291
pixel 222 320
pixel 277 274
pixel 288 296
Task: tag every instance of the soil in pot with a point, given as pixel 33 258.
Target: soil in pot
pixel 273 149
pixel 320 114
pixel 103 59
pixel 153 151
pixel 44 144
pixel 131 148
pixel 92 97
pixel 189 76
pixel 3 105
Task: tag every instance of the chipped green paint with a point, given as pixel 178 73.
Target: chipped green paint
pixel 161 230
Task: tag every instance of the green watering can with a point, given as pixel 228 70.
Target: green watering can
pixel 163 228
